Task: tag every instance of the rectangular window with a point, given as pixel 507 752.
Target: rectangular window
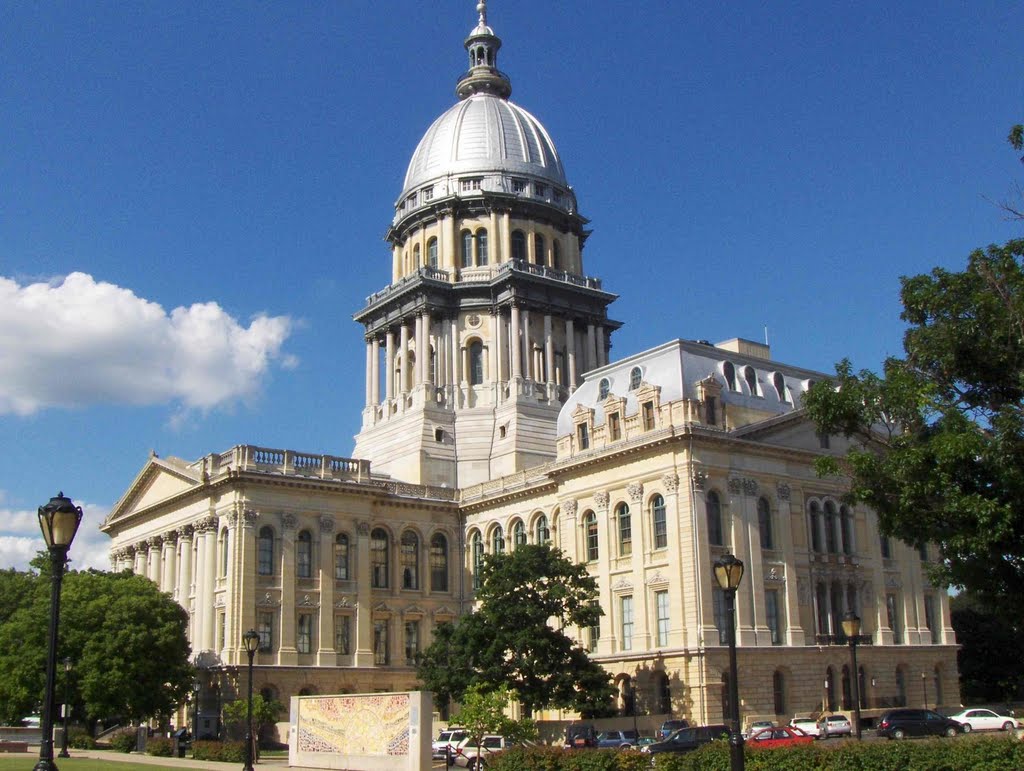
pixel 412 641
pixel 626 610
pixel 718 602
pixel 343 634
pixel 661 605
pixel 614 428
pixel 222 629
pixel 518 185
pixel 304 634
pixel 381 656
pixel 468 185
pixel 265 553
pixel 886 546
pixel 428 193
pixel 648 416
pixel 539 190
pixel 593 633
pixel 582 436
pixel 625 531
pixel 930 617
pixel 893 616
pixel 265 629
pixel 710 411
pixel 773 615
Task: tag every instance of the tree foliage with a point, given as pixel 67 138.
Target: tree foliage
pixel 988 638
pixel 483 712
pixel 938 446
pixel 126 640
pixel 264 714
pixel 516 637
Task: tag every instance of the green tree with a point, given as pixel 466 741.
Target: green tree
pixel 126 639
pixel 988 639
pixel 264 715
pixel 483 712
pixel 938 442
pixel 516 637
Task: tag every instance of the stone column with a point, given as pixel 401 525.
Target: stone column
pixel 154 572
pixel 794 634
pixel 494 241
pixel 602 347
pixel 326 655
pixel 184 566
pixel 288 654
pixel 167 562
pixel 570 354
pixel 141 559
pixel 389 366
pixel 364 612
pixel 243 579
pixel 428 371
pixel 500 333
pixel 456 381
pixel 516 344
pixel 452 252
pixel 591 357
pixel 403 361
pixel 493 359
pixel 375 372
pixel 206 600
pixel 549 350
pixel 506 237
pixel 369 374
pixel 527 344
pixel 739 521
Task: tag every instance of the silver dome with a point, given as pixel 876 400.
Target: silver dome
pixel 484 135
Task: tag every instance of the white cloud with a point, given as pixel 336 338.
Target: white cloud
pixel 20 539
pixel 116 348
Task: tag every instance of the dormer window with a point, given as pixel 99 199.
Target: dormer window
pixel 582 436
pixel 603 388
pixel 634 378
pixel 614 427
pixel 751 377
pixel 729 371
pixel 427 193
pixel 469 185
pixel 780 386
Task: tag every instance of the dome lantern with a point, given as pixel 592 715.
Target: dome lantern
pixel 483 76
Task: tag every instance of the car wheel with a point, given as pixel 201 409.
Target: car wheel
pixel 950 731
pixel 899 733
pixel 967 728
pixel 1007 726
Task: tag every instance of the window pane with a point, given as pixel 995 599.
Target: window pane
pixel 625 530
pixel 659 524
pixel 379 559
pixel 661 605
pixel 439 563
pixel 343 634
pixel 626 607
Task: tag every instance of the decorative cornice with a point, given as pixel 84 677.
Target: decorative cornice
pixel 656 579
pixel 621 585
pixel 343 602
pixel 268 601
pixel 444 612
pixel 775 574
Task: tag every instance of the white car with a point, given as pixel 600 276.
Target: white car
pixel 984 720
pixel 466 754
pixel 806 724
pixel 447 738
pixel 834 725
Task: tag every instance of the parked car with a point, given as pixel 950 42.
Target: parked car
pixel 466 754
pixel 448 737
pixel 670 726
pixel 756 726
pixel 901 723
pixel 808 725
pixel 687 739
pixel 978 719
pixel 620 739
pixel 834 725
pixel 580 735
pixel 779 736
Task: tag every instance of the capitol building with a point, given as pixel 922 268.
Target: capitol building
pixel 495 417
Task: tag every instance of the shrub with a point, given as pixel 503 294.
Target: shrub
pixel 225 752
pixel 80 740
pixel 123 742
pixel 159 746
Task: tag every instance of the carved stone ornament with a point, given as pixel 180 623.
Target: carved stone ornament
pixel 289 521
pixel 142 547
pixel 783 491
pixel 268 601
pixel 206 524
pixel 343 602
pixel 383 608
pixel 170 537
pixel 128 551
pixel 656 579
pixel 219 602
pixel 413 611
pixel 635 491
pixel 185 531
pixel 601 500
pixel 155 542
pixel 750 486
pixel 444 612
pixel 363 528
pixel 570 507
pixel 326 524
pixel 700 480
pixel 735 485
pixel 249 516
pixel 671 483
pixel 309 602
pixel 775 574
pixel 892 581
pixel 621 585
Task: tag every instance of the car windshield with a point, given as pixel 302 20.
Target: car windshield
pixel 683 735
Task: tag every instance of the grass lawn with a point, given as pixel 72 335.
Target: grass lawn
pixel 86 764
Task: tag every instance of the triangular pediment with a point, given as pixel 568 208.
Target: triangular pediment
pixel 158 481
pixel 793 430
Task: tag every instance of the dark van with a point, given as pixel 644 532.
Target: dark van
pixel 901 723
pixel 688 739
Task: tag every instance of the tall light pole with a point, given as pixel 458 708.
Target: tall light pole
pixel 851 627
pixel 59 520
pixel 251 641
pixel 197 687
pixel 924 689
pixel 729 573
pixel 67 708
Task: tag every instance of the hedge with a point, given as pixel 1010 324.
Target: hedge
pixel 968 753
pixel 225 752
pixel 125 741
pixel 160 747
pixel 80 740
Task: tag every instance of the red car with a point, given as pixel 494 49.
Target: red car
pixel 779 736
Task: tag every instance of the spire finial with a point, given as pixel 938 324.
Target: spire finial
pixel 481 8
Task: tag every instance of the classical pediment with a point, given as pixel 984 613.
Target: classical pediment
pixel 158 481
pixel 793 430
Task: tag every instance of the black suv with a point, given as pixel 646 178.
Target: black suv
pixel 687 739
pixel 901 723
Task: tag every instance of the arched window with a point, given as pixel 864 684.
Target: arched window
pixel 432 252
pixel 663 692
pixel 625 529
pixel 847 689
pixel 467 249
pixel 837 608
pixel 497 540
pixel 901 687
pixel 341 571
pixel 416 256
pixel 830 527
pixel 714 509
pixel 846 529
pixel 476 363
pixel 590 534
pixel 224 552
pixel 304 555
pixel 729 371
pixel 659 526
pixel 815 524
pixel 541 532
pixel 265 552
pixel 780 386
pixel 519 534
pixel 410 556
pixel 821 597
pixel 379 558
pixel 481 246
pixel 830 689
pixel 556 255
pixel 603 388
pixel 764 524
pixel 478 557
pixel 438 563
pixel 635 376
pixel 779 692
pixel 751 377
pixel 538 249
pixel 518 246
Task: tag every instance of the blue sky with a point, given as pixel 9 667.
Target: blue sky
pixel 193 197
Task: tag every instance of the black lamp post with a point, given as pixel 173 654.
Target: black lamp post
pixel 67 708
pixel 924 689
pixel 632 705
pixel 251 640
pixel 59 520
pixel 197 687
pixel 851 627
pixel 729 573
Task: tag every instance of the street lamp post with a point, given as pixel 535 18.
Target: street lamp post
pixel 729 573
pixel 67 708
pixel 59 520
pixel 632 705
pixel 851 627
pixel 251 640
pixel 196 689
pixel 924 689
